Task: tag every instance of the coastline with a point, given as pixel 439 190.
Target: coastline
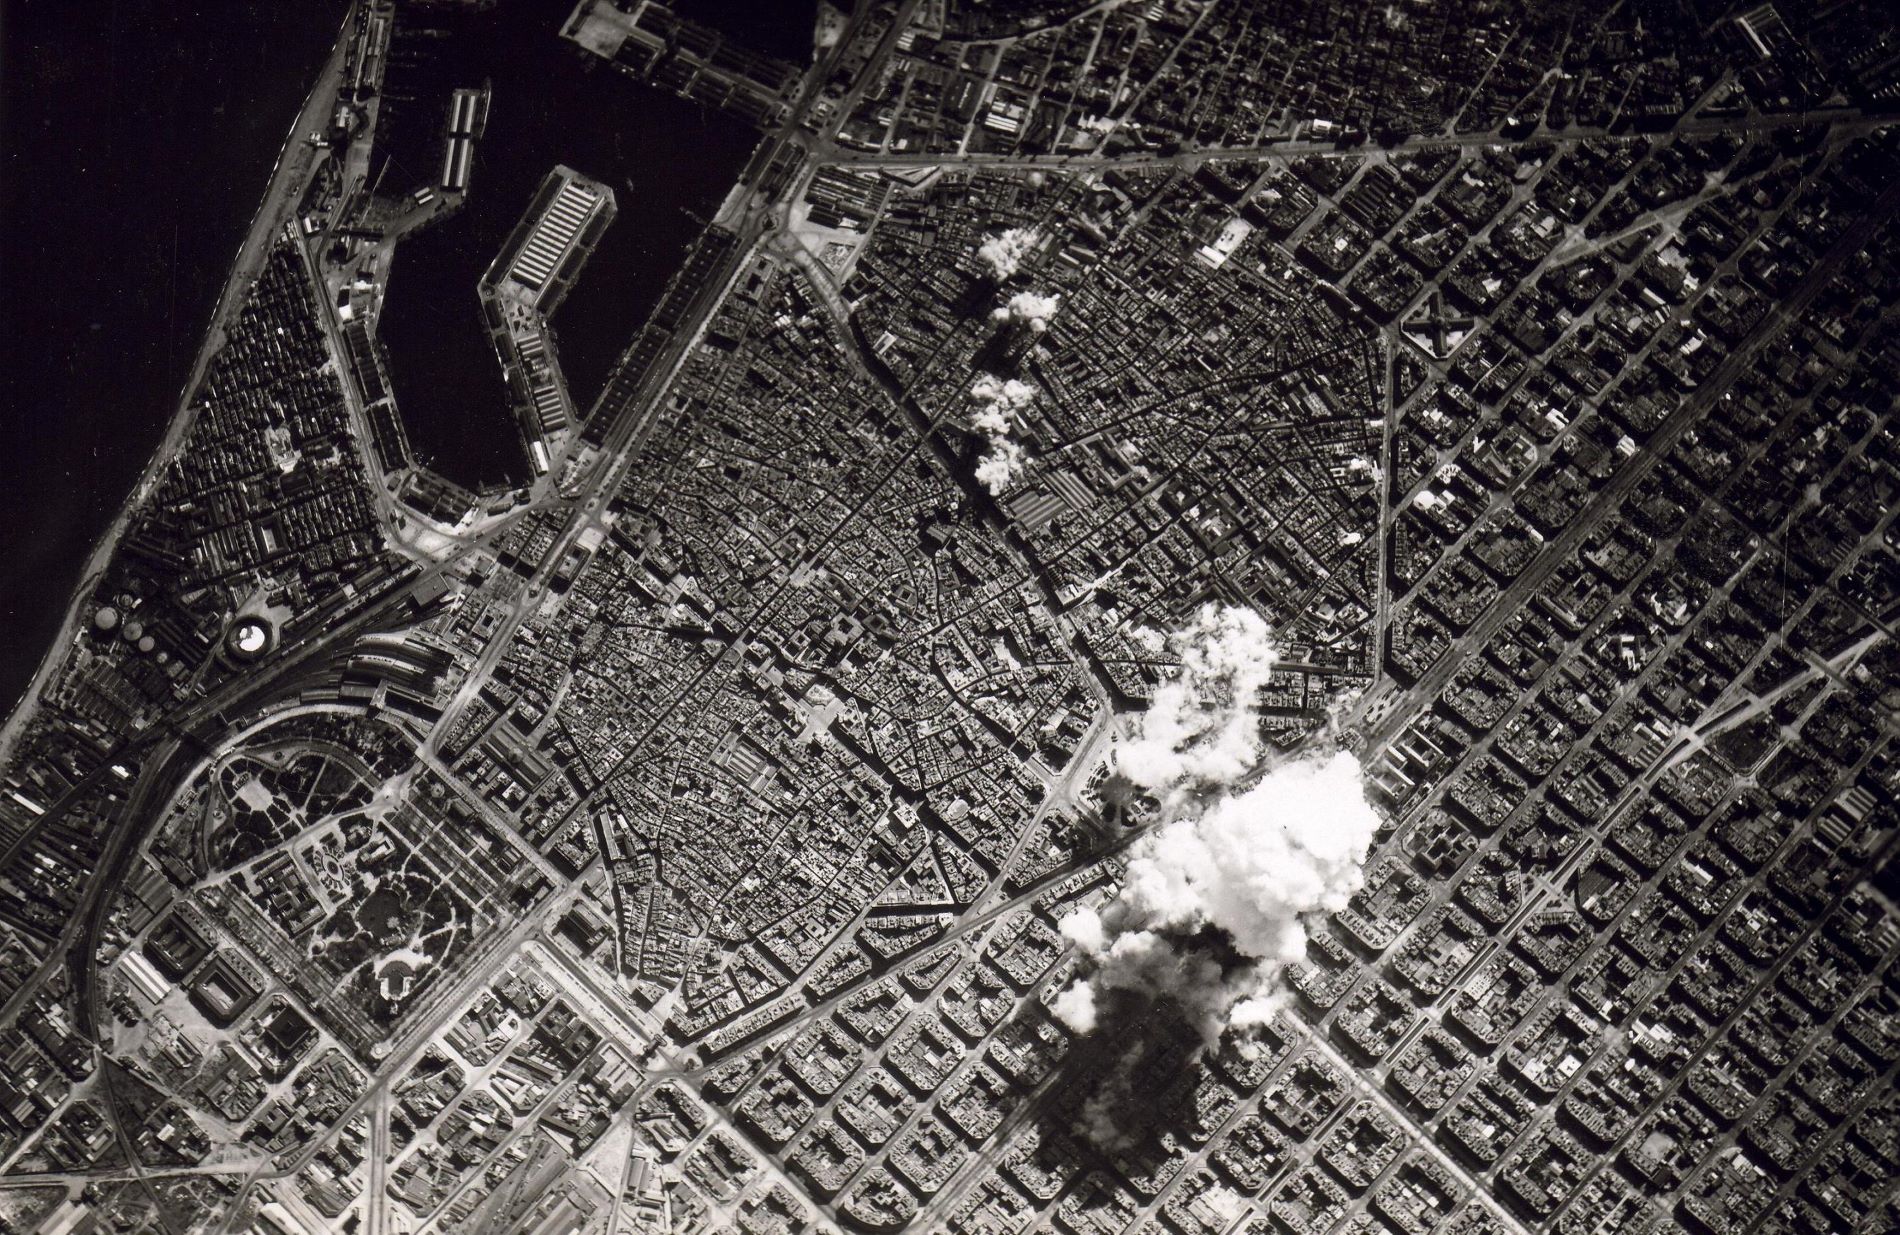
pixel 289 173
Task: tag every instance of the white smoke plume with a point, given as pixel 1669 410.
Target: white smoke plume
pixel 998 414
pixel 1202 725
pixel 1004 254
pixel 830 26
pixel 1213 906
pixel 1000 465
pixel 991 421
pixel 1031 309
pixel 1008 398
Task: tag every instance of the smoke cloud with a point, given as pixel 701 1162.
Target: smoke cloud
pixel 1031 309
pixel 1004 254
pixel 1000 465
pixel 998 413
pixel 1202 725
pixel 1213 906
pixel 830 27
pixel 1005 398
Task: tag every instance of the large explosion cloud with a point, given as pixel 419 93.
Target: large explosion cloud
pixel 998 413
pixel 1213 906
pixel 1031 309
pixel 1202 726
pixel 1004 253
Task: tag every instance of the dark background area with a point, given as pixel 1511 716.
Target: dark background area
pixel 781 28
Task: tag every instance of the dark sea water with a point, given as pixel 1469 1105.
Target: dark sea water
pixel 136 139
pixel 781 28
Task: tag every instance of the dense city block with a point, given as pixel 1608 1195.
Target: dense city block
pixel 693 836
